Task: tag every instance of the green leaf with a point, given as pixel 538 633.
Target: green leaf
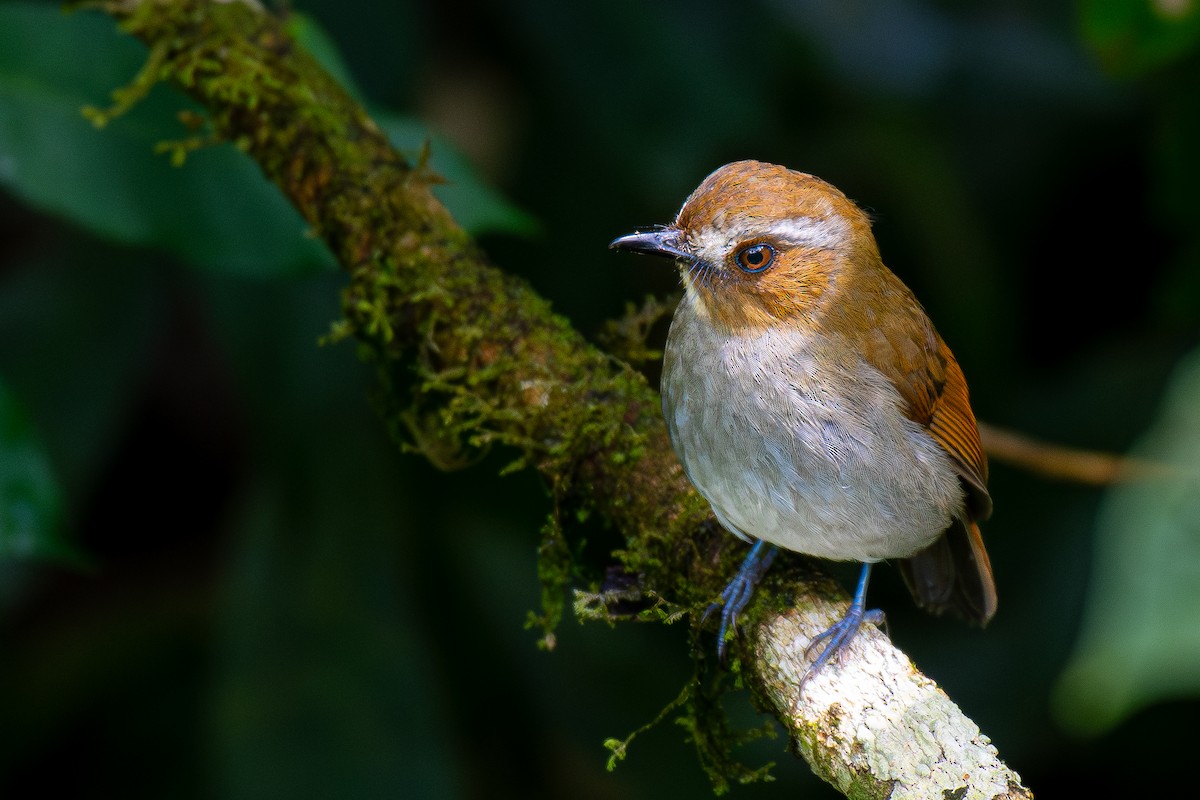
pixel 1140 641
pixel 309 34
pixel 216 211
pixel 1136 36
pixel 30 499
pixel 476 206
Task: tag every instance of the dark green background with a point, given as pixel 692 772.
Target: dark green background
pixel 242 589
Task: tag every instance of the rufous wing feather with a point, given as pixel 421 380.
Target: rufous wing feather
pixel 954 573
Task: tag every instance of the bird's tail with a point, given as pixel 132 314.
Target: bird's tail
pixel 953 574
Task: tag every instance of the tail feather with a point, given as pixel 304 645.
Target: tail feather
pixel 953 574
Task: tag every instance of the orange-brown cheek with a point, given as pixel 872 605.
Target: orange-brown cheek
pixel 795 288
pixel 791 291
pixel 755 303
pixel 788 296
pixel 743 314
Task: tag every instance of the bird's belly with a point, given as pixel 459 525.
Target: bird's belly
pixel 817 462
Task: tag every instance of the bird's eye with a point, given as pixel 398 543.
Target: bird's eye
pixel 756 257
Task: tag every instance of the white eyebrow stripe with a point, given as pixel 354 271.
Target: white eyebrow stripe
pixel 824 232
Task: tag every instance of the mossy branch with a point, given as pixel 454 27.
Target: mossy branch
pixel 468 357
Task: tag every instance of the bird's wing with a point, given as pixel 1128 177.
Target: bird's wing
pixel 954 572
pixel 933 388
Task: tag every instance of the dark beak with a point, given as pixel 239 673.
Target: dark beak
pixel 660 242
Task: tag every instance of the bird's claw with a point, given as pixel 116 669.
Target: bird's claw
pixel 841 633
pixel 736 595
pixel 838 637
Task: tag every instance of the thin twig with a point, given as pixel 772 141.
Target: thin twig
pixel 1067 463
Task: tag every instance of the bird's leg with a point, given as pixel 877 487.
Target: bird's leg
pixel 845 629
pixel 739 591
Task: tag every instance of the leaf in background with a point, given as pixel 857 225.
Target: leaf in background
pixel 476 206
pixel 309 34
pixel 217 211
pixel 1136 36
pixel 30 499
pixel 1140 640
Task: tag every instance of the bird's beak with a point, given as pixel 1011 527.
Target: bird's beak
pixel 659 242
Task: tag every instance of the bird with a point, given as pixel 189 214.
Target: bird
pixel 812 403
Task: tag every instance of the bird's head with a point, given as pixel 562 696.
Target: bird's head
pixel 758 244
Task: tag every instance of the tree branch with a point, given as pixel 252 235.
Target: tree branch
pixel 874 726
pixel 468 356
pixel 1068 463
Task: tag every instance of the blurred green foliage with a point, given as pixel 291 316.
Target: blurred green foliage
pixel 1136 37
pixel 277 603
pixel 216 212
pixel 1139 643
pixel 30 499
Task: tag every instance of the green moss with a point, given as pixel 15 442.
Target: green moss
pixel 626 338
pixel 702 715
pixel 555 569
pixel 466 358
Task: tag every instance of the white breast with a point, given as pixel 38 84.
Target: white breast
pixel 818 460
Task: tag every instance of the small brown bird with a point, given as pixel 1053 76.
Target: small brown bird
pixel 810 399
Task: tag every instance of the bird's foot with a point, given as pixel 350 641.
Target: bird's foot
pixel 841 633
pixel 837 639
pixel 737 594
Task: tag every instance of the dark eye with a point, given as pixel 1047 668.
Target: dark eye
pixel 756 257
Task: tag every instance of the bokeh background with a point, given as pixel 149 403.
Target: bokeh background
pixel 218 578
